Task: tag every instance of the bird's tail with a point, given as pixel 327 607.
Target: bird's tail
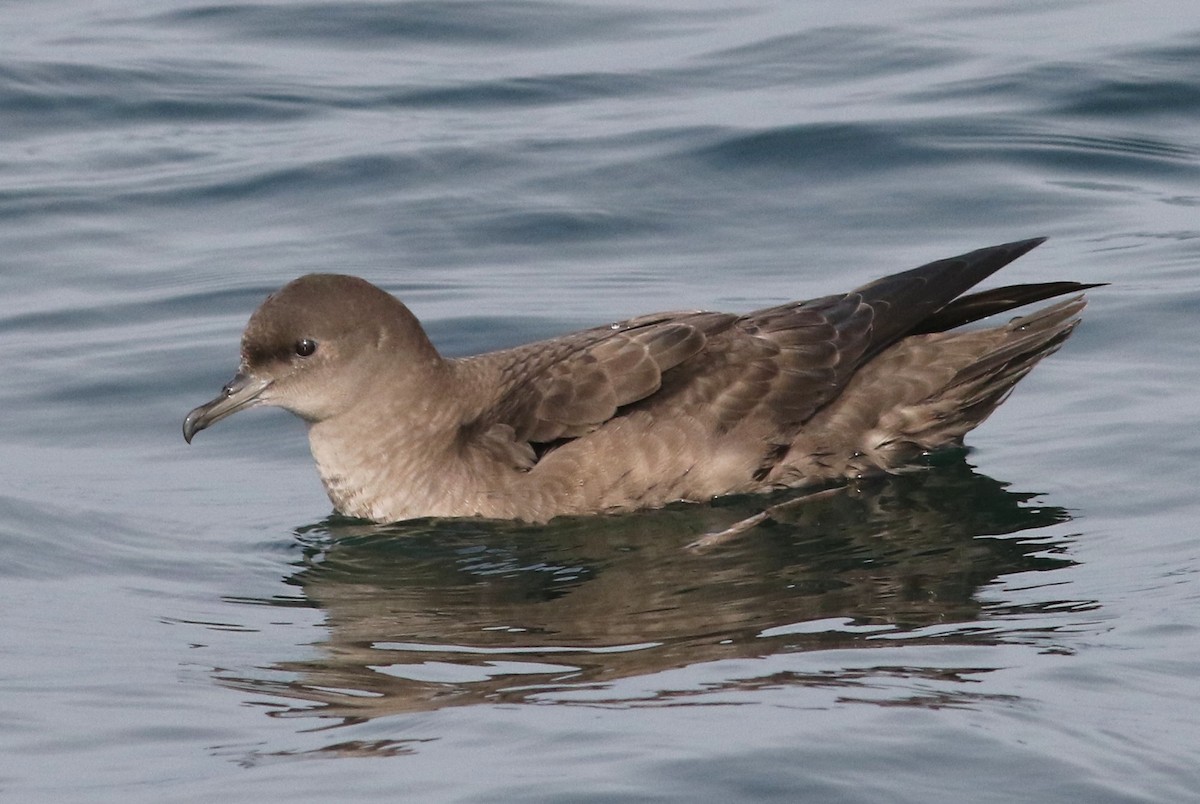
pixel 923 394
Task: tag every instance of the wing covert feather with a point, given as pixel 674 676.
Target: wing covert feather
pixel 567 387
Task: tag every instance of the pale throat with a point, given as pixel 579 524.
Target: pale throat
pixel 385 469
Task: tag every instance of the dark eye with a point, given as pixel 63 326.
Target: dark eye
pixel 305 347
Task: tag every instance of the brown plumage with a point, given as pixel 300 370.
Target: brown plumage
pixel 671 406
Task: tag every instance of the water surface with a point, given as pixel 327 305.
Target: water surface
pixel 1015 622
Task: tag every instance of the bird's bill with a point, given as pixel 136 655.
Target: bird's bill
pixel 242 391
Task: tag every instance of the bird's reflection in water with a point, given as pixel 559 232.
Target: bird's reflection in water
pixel 429 614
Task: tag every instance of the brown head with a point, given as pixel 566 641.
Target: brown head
pixel 315 345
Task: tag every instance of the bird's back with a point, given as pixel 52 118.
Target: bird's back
pixel 691 405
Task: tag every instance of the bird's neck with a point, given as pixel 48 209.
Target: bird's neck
pixel 384 458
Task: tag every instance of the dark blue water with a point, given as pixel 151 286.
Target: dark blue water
pixel 1020 622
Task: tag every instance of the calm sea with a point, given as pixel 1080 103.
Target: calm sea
pixel 1021 622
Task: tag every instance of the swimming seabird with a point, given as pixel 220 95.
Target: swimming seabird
pixel 663 407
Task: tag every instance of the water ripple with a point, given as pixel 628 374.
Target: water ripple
pixel 519 168
pixel 421 22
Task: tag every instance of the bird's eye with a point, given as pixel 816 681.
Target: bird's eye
pixel 305 347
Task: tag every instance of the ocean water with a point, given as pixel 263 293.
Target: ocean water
pixel 1019 622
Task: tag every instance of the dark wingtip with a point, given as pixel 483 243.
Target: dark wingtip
pixel 977 306
pixel 905 301
pixel 1013 250
pixel 1026 246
